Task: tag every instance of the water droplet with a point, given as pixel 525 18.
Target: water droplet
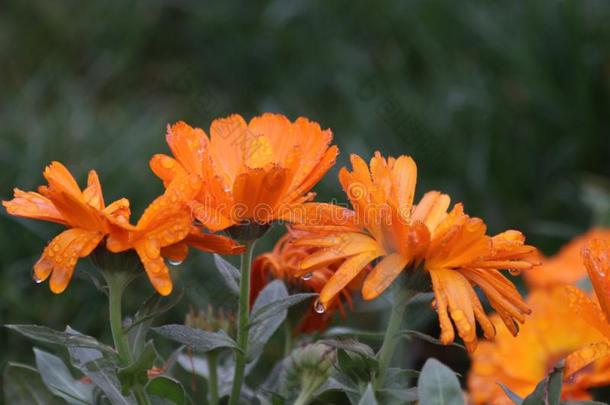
pixel 514 272
pixel 175 262
pixel 307 276
pixel 319 307
pixel 36 279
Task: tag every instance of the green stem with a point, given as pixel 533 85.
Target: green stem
pixel 242 326
pixel 116 286
pixel 213 378
pixel 306 394
pixel 117 281
pixel 402 296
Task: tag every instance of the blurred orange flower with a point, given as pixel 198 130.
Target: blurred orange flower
pixel 596 311
pixel 283 263
pixel 83 212
pixel 552 332
pixel 566 267
pixel 259 171
pixel 453 248
pixel 165 231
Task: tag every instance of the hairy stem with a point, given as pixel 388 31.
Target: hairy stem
pixel 242 326
pixel 402 296
pixel 213 378
pixel 116 286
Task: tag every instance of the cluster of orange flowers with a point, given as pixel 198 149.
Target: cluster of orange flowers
pixel 262 171
pixel 566 322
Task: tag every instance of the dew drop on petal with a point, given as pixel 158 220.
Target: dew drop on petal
pixel 175 262
pixel 307 276
pixel 319 307
pixel 514 272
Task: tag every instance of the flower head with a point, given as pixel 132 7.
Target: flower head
pixel 258 172
pixel 551 333
pixel 452 247
pixel 164 231
pixel 595 311
pixel 283 263
pixel 566 267
pixel 83 212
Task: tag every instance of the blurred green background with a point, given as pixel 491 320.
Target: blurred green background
pixel 504 105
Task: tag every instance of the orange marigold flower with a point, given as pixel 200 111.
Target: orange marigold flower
pixel 283 263
pixel 596 312
pixel 551 333
pixel 566 267
pixel 259 171
pixel 83 212
pixel 453 247
pixel 165 231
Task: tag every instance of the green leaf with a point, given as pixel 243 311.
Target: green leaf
pixel 57 377
pixel 167 389
pixel 390 396
pixel 582 403
pixel 438 385
pixel 230 274
pixel 517 400
pixel 66 339
pixel 269 308
pixel 99 366
pixel 136 373
pixel 199 340
pixel 268 313
pixel 344 331
pixel 24 386
pixel 548 391
pixel 410 334
pixel 368 398
pixel 154 306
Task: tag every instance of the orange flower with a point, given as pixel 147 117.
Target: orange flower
pixel 283 263
pixel 552 332
pixel 453 248
pixel 461 255
pixel 596 312
pixel 83 212
pixel 165 231
pixel 566 267
pixel 259 171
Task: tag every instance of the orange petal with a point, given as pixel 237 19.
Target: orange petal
pixel 447 331
pixel 61 254
pixel 188 145
pixel 432 210
pixel 343 245
pixel 257 192
pixel 229 134
pixel 344 274
pixel 404 179
pixel 33 205
pixel 60 179
pixel 585 356
pixel 312 177
pixel 166 168
pixel 596 257
pixel 210 217
pixel 383 274
pixel 155 267
pixel 93 193
pixel 214 243
pixel 171 203
pixel 176 252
